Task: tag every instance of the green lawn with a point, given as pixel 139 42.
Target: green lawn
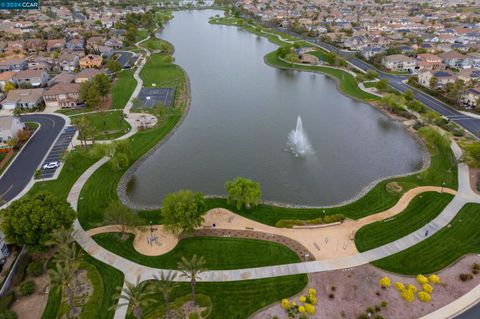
pixel 154 44
pixel 347 82
pixel 421 210
pixel 320 54
pixel 104 280
pixel 122 88
pixel 219 252
pixel 78 161
pixel 160 71
pixel 441 249
pixel 238 299
pixel 108 125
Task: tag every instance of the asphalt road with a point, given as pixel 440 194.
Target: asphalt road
pixel 469 123
pixel 21 170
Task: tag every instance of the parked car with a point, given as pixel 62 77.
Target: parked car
pixel 51 165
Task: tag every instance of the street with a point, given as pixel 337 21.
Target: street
pixel 21 170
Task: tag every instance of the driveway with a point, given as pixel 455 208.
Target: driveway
pixel 21 170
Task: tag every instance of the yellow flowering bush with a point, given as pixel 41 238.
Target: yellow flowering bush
pixel 302 298
pixel 399 286
pixel 385 282
pixel 309 309
pixel 301 309
pixel 408 295
pixel 312 300
pixel 312 292
pixel 412 288
pixel 427 288
pixel 286 304
pixel 434 279
pixel 421 279
pixel 424 296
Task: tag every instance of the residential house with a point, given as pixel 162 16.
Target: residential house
pixel 430 62
pixel 370 52
pixel 91 61
pixel 399 62
pixel 63 77
pixel 31 78
pixel 62 95
pixel 23 98
pixel 456 59
pixel 469 75
pixel 39 63
pixel 9 127
pixel 5 77
pixel 15 47
pixel 55 45
pixel 15 64
pixel 86 75
pixel 113 43
pixel 76 44
pixel 443 77
pixel 475 57
pixel 35 45
pixel 471 98
pixel 69 61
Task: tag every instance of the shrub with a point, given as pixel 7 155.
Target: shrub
pixel 301 309
pixel 6 300
pixel 434 279
pixel 302 299
pixel 310 309
pixel 35 268
pixel 427 288
pixel 399 286
pixel 385 282
pixel 370 310
pixel 475 268
pixel 424 296
pixel 286 304
pixel 408 295
pixel 466 277
pixel 421 279
pixel 412 288
pixel 27 288
pixel 384 304
pixel 8 314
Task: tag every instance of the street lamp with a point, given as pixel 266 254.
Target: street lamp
pixel 443 185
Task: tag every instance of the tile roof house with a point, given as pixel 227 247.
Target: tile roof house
pixel 456 59
pixel 76 44
pixel 23 98
pixel 34 78
pixel 86 75
pixel 91 61
pixel 34 45
pixel 15 64
pixel 63 77
pixel 430 62
pixel 399 62
pixel 55 45
pixel 471 98
pixel 443 77
pixel 62 95
pixel 9 127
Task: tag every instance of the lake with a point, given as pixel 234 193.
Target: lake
pixel 241 113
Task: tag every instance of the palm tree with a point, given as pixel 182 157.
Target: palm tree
pixel 165 285
pixel 61 237
pixel 62 276
pixel 135 297
pixel 191 269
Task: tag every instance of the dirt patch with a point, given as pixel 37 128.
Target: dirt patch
pixel 475 179
pixel 348 293
pixel 394 187
pixel 31 307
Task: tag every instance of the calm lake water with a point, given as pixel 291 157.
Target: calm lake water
pixel 241 114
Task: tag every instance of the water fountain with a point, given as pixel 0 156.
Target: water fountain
pixel 298 141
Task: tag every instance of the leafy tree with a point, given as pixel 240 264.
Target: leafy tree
pixel 371 75
pixel 382 85
pixel 118 151
pixel 135 297
pixel 114 66
pixel 86 129
pixel 8 87
pixel 32 219
pixel 330 57
pixel 183 211
pixel 433 82
pixel 243 192
pixel 118 214
pixel 191 269
pixel 283 51
pixel 409 95
pixel 62 276
pixel 103 84
pixel 165 284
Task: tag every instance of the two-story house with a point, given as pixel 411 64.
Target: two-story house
pixel 456 59
pixel 69 61
pixel 399 62
pixel 15 64
pixel 31 78
pixel 62 95
pixel 443 78
pixel 91 61
pixel 23 98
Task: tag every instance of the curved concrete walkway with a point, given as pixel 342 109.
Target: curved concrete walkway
pixel 133 270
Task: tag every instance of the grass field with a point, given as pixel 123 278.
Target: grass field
pixel 441 249
pixel 219 252
pixel 108 125
pixel 122 88
pixel 160 71
pixel 154 44
pixel 238 299
pixel 421 210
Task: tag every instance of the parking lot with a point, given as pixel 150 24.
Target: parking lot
pixel 150 97
pixel 57 150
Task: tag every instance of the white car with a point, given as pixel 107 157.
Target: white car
pixel 51 165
